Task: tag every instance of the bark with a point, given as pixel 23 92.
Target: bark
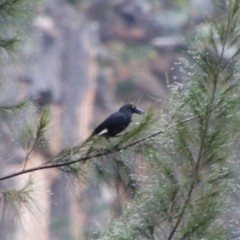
pixel 66 71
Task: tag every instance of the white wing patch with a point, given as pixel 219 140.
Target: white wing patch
pixel 104 131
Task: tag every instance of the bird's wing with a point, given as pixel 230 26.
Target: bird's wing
pixel 114 121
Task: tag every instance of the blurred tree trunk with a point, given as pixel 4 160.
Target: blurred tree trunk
pixel 66 75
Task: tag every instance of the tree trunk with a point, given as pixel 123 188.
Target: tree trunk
pixel 66 71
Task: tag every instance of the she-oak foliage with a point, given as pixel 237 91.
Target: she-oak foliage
pixel 186 194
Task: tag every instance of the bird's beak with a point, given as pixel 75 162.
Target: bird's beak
pixel 138 111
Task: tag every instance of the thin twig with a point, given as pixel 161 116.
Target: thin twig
pixel 84 158
pixel 31 150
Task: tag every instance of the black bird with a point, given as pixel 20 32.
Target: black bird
pixel 117 122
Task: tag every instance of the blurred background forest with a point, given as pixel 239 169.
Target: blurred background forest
pixel 84 59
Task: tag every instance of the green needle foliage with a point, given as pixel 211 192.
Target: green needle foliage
pixel 13 15
pixel 31 135
pixel 18 106
pixel 105 161
pixel 14 202
pixel 186 196
pixel 185 191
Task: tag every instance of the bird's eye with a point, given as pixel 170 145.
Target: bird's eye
pixel 133 106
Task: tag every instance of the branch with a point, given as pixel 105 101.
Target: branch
pixel 83 159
